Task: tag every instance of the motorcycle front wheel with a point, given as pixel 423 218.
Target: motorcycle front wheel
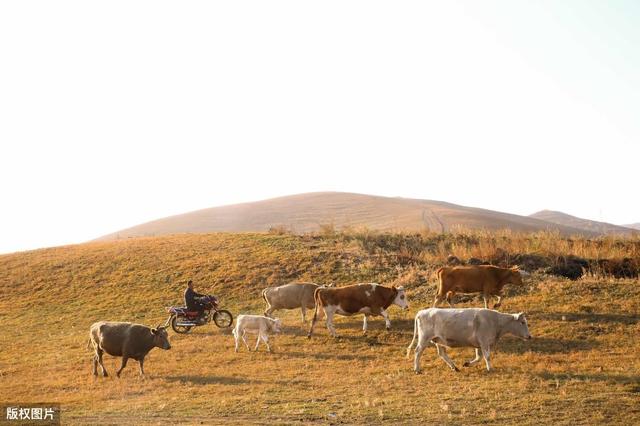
pixel 181 329
pixel 223 319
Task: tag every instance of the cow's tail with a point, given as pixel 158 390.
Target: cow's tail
pixel 439 287
pixel 415 332
pixel 264 296
pixel 317 301
pixel 89 341
pixel 439 276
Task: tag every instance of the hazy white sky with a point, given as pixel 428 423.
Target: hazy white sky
pixel 116 113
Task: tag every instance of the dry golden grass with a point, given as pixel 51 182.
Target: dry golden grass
pixel 582 367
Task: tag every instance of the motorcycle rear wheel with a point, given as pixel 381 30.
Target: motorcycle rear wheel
pixel 223 318
pixel 181 329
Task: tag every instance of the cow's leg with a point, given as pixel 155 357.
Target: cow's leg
pixel 269 311
pixel 442 351
pixel 387 322
pixel 265 339
pixel 364 324
pixel 123 365
pixel 236 338
pixel 450 294
pixel 329 310
pixel 104 370
pixel 438 299
pixel 304 314
pixel 318 314
pixel 473 361
pixel 497 305
pixel 94 362
pixel 141 362
pixel 422 344
pixel 244 339
pixel 258 341
pixel 486 299
pixel 486 354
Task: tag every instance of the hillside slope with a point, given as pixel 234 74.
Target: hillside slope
pixel 633 226
pixel 574 370
pixel 583 224
pixel 307 212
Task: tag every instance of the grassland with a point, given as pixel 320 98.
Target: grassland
pixel 582 367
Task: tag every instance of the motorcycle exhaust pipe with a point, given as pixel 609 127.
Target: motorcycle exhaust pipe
pixel 186 324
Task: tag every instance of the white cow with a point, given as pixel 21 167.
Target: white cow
pixel 291 296
pixel 474 327
pixel 255 324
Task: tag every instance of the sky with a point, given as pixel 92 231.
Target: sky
pixel 117 113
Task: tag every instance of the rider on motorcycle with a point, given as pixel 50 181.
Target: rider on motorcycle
pixel 190 296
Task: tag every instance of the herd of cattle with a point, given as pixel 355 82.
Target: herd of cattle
pixel 448 327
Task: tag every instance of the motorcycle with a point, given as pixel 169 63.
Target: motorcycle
pixel 182 320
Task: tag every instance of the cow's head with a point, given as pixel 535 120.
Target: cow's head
pixel 161 337
pixel 276 325
pixel 515 276
pixel 401 298
pixel 518 326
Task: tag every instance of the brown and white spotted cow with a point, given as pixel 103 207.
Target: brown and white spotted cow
pixel 369 299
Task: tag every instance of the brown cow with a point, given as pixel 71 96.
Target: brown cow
pixel 126 340
pixel 485 279
pixel 368 299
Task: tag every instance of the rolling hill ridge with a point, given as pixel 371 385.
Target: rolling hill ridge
pixel 308 212
pixel 584 224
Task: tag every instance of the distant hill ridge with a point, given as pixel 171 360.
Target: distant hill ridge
pixel 308 212
pixel 583 224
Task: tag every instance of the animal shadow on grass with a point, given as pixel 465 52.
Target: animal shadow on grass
pixel 589 317
pixel 211 380
pixel 376 324
pixel 544 345
pixel 331 356
pixel 403 324
pixel 633 381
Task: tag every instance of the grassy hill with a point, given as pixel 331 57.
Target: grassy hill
pixel 583 224
pixel 308 212
pixel 581 367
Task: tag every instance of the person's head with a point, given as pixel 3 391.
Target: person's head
pixel 190 284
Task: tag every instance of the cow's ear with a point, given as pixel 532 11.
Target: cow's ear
pixel 154 331
pixel 519 316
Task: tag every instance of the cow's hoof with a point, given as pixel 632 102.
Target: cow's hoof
pixel 456 369
pixel 466 364
pixel 388 328
pixel 308 336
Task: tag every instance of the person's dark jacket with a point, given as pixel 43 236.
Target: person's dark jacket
pixel 190 300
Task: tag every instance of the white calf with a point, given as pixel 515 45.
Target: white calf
pixel 255 324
